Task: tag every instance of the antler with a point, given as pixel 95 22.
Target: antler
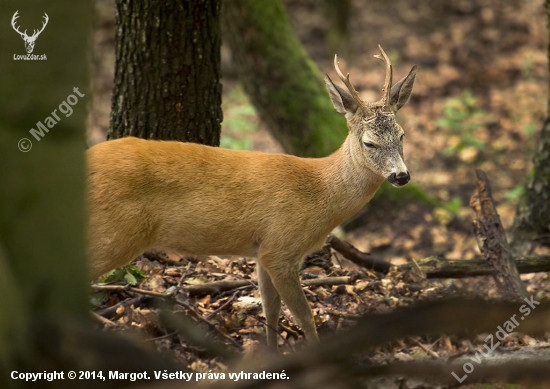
pixel 389 75
pixel 46 18
pixel 346 81
pixel 15 16
pixel 36 32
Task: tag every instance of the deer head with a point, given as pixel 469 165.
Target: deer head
pixel 29 40
pixel 375 138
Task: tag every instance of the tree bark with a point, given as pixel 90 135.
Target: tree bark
pixel 284 85
pixel 167 71
pixel 532 220
pixel 492 241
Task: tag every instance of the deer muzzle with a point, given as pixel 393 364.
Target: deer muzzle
pixel 399 179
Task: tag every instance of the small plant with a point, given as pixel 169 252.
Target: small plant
pixel 131 274
pixel 463 118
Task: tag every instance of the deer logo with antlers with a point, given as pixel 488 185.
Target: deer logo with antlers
pixel 29 40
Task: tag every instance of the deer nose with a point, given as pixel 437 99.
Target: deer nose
pixel 399 179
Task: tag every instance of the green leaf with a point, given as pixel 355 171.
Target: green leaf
pixel 129 277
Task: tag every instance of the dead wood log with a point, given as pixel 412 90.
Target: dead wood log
pixel 492 241
pixel 439 267
pixel 363 259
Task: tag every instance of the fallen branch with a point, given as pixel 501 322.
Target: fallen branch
pixel 102 320
pixel 363 259
pixel 222 286
pixel 439 267
pixel 222 307
pixel 327 281
pixel 216 287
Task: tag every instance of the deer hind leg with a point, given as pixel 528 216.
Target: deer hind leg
pixel 110 256
pixel 284 276
pixel 108 250
pixel 271 302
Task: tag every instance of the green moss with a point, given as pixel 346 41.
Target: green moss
pixel 285 86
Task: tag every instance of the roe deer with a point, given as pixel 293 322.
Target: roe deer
pixel 202 200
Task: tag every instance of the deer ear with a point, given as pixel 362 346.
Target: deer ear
pixel 341 100
pixel 401 92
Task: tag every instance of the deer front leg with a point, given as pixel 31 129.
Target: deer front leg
pixel 284 276
pixel 271 302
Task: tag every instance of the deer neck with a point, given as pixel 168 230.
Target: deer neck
pixel 350 184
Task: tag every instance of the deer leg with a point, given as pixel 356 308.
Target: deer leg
pixel 284 276
pixel 271 302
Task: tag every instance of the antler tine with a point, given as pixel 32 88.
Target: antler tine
pixel 15 16
pixel 13 19
pixel 44 23
pixel 346 81
pixel 389 75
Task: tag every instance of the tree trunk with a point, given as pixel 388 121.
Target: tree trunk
pixel 282 82
pixel 167 71
pixel 42 258
pixel 532 220
pixel 337 13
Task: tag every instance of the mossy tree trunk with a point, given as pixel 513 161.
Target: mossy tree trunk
pixel 43 273
pixel 167 71
pixel 282 82
pixel 532 222
pixel 44 318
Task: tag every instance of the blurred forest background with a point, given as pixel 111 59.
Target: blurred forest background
pixel 480 101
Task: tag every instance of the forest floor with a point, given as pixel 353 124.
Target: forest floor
pixel 479 102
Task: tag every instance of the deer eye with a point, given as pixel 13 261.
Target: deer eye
pixel 401 137
pixel 370 145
